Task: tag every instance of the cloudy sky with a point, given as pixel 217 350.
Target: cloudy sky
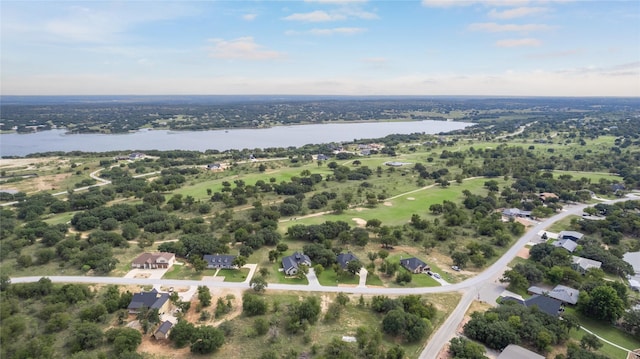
pixel 337 47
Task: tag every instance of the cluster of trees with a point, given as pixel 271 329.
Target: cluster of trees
pixel 203 339
pixel 517 324
pixel 44 320
pixel 408 318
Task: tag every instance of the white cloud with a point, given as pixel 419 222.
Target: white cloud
pixel 495 27
pixel 338 30
pixel 500 3
pixel 243 48
pixel 517 12
pixel 249 17
pixel 518 42
pixel 316 16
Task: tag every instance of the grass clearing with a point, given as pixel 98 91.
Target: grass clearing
pixel 234 275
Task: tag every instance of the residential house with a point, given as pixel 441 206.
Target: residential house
pixel 633 258
pixel 214 166
pixel 163 330
pixel 545 196
pixel 560 292
pixel 343 259
pixel 415 265
pixel 136 156
pixel 572 235
pixel 582 265
pixel 545 304
pixel 150 300
pixel 617 187
pixel 513 351
pixel 322 157
pixel 515 212
pixel 567 244
pixel 224 261
pixel 394 164
pixel 154 260
pixel 291 263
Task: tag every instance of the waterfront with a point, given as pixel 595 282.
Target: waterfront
pixel 281 136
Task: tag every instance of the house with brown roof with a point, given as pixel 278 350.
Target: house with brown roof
pixel 154 260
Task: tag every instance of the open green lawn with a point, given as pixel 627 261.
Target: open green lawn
pixel 187 272
pixel 234 275
pixel 606 349
pixel 562 225
pixel 606 331
pixel 594 177
pixel 398 211
pixel 329 277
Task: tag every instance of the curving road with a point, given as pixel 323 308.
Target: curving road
pixel 470 287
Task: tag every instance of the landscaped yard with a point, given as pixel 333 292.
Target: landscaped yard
pixel 234 275
pixel 330 278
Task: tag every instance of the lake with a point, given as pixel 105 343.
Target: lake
pixel 281 136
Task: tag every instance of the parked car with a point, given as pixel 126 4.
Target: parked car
pixel 436 275
pixel 455 268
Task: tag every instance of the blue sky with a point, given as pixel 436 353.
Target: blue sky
pixel 336 47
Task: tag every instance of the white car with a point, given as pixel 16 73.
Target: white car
pixel 436 275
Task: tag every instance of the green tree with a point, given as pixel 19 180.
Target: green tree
pixel 590 342
pixel 124 339
pixel 204 295
pixel 462 348
pixel 85 336
pixel 206 340
pixel 258 283
pixel 602 303
pixel 182 333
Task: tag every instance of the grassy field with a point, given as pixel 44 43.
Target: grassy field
pixel 562 225
pixel 234 275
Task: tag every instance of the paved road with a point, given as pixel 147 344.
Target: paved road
pixel 482 284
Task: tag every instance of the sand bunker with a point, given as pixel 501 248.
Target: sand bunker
pixel 410 199
pixel 388 204
pixel 359 221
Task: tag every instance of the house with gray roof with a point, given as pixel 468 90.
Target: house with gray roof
pixel 582 265
pixel 163 330
pixel 560 292
pixel 343 259
pixel 222 261
pixel 515 212
pixel 567 244
pixel 151 300
pixel 415 265
pixel 291 263
pixel 513 351
pixel 572 235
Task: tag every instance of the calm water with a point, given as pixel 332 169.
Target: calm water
pixel 283 136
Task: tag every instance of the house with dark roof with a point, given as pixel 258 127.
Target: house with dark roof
pixel 567 244
pixel 513 351
pixel 560 292
pixel 291 263
pixel 572 235
pixel 136 155
pixel 150 300
pixel 414 265
pixel 343 259
pixel 154 260
pixel 545 304
pixel 163 330
pixel 582 265
pixel 223 261
pixel 322 157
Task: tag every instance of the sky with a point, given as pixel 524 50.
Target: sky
pixel 321 47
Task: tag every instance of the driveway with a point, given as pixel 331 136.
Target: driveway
pixel 146 273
